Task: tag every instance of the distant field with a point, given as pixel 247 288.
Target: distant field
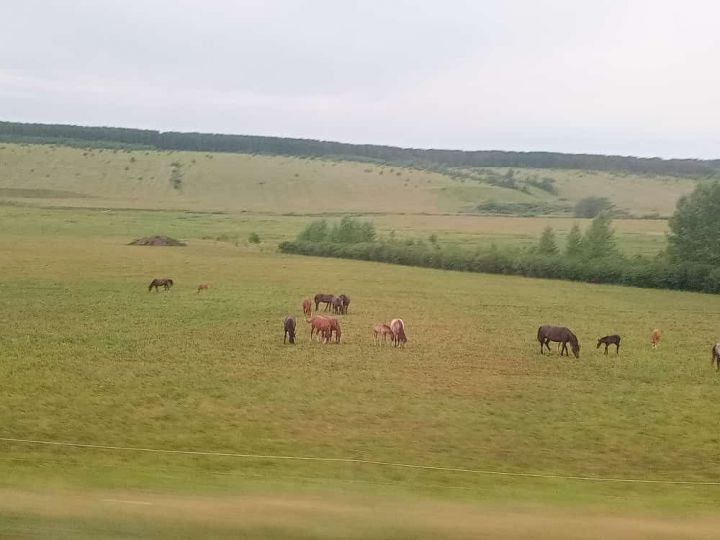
pixel 64 176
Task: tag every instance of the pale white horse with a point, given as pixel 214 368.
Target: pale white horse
pixel 716 356
pixel 398 329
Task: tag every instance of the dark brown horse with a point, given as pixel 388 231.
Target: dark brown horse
pixel 716 356
pixel 610 340
pixel 561 334
pixel 345 303
pixel 307 308
pixel 326 299
pixel 160 282
pixel 289 325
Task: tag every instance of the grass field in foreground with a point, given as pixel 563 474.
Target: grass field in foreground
pixel 88 355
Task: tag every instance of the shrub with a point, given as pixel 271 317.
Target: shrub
pixel 254 238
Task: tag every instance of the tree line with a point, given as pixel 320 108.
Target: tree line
pixel 691 261
pixel 413 157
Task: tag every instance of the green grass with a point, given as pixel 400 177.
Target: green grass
pixel 90 356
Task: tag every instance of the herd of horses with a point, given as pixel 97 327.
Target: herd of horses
pixel 324 328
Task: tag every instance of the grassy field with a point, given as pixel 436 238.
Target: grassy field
pixel 63 176
pixel 89 356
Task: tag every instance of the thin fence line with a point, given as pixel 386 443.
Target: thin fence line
pixel 362 462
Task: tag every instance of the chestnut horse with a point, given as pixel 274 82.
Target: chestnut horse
pixel 561 334
pixel 160 282
pixel 321 326
pixel 289 325
pixel 307 308
pixel 655 338
pixel 203 287
pixel 398 332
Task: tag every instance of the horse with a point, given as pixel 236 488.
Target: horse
pixel 307 307
pixel 655 338
pixel 323 299
pixel 547 333
pixel 289 324
pixel 381 330
pixel 716 356
pixel 334 327
pixel 321 326
pixel 398 332
pixel 160 282
pixel 610 340
pixel 337 305
pixel 345 303
pixel 202 287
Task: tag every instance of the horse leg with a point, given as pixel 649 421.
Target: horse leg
pixel 617 348
pixel 606 348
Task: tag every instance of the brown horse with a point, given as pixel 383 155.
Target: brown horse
pixel 398 332
pixel 202 287
pixel 307 308
pixel 160 282
pixel 610 340
pixel 345 303
pixel 289 324
pixel 323 299
pixel 655 338
pixel 335 327
pixel 381 330
pixel 561 334
pixel 321 326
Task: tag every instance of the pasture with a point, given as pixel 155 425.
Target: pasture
pixel 87 355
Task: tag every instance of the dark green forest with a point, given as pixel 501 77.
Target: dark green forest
pixel 413 157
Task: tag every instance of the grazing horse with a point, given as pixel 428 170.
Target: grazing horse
pixel 655 338
pixel 289 324
pixel 345 303
pixel 321 326
pixel 307 308
pixel 337 305
pixel 561 334
pixel 326 299
pixel 610 340
pixel 203 287
pixel 160 282
pixel 334 327
pixel 381 330
pixel 716 356
pixel 398 332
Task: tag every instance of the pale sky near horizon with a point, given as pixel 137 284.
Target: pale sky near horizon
pixel 635 77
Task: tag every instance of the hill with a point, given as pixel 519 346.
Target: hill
pixel 57 175
pixel 213 142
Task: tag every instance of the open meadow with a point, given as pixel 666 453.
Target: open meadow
pixel 88 356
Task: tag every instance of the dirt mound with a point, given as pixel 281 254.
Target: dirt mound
pixel 156 241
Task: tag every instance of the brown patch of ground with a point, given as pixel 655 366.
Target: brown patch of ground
pixel 330 516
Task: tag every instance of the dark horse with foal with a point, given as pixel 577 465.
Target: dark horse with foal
pixel 561 334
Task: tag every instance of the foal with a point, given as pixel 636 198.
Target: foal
pixel 202 287
pixel 610 340
pixel 655 338
pixel 381 330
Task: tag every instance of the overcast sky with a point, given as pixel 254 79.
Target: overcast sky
pixel 629 77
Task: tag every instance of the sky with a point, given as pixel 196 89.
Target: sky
pixel 634 77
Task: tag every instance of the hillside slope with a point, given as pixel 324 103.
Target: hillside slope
pixel 52 175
